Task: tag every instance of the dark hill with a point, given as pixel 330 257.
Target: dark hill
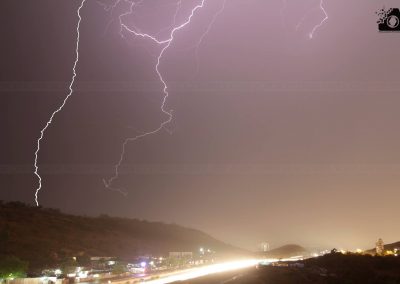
pixel 286 251
pixel 391 247
pixel 334 268
pixel 46 236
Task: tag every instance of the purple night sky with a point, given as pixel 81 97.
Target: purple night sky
pixel 276 137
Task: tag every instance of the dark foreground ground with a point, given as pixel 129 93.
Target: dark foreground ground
pixel 329 269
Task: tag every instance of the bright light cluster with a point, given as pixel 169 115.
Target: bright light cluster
pixel 204 271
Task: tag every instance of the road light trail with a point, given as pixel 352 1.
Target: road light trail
pixel 204 271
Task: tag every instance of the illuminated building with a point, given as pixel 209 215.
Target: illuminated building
pixel 380 247
pixel 181 254
pixel 264 247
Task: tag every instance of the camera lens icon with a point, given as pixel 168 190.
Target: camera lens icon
pixel 392 21
pixel 389 20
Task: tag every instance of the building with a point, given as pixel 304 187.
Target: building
pixel 181 254
pixel 102 258
pixel 264 247
pixel 380 247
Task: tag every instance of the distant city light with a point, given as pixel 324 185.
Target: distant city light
pixel 83 274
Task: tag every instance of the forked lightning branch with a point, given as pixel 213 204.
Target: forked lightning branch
pixel 164 45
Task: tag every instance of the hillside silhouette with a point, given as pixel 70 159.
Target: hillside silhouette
pixel 391 247
pixel 44 237
pixel 285 251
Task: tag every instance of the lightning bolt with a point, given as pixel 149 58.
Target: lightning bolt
pixel 302 20
pixel 283 9
pixel 178 7
pixel 316 27
pixel 200 41
pixel 165 44
pixel 49 122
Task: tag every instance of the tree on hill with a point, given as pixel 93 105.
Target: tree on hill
pixel 4 238
pixel 46 237
pixel 12 267
pixel 68 265
pixel 119 268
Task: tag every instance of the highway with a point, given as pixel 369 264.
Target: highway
pixel 231 269
pixel 239 271
pixel 246 275
pixel 224 271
